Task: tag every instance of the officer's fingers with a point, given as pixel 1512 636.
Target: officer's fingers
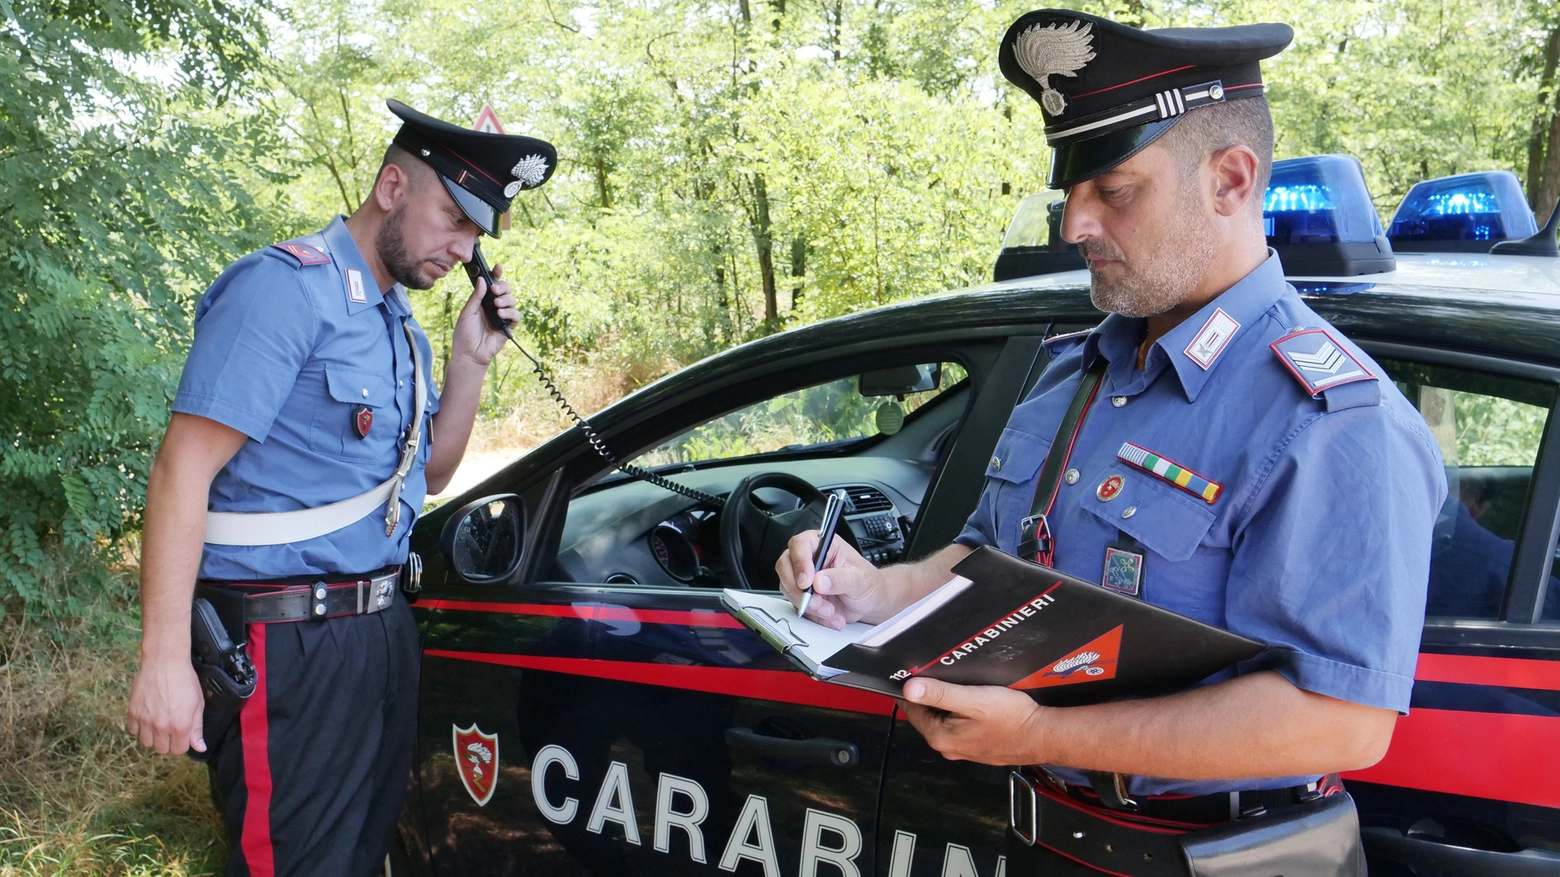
pixel 801 550
pixel 959 699
pixel 498 272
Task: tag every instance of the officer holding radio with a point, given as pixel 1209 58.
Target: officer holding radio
pixel 1213 447
pixel 304 438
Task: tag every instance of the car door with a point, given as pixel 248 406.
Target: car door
pixel 632 725
pixel 1471 782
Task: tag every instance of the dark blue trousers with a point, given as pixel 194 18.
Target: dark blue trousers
pixel 311 777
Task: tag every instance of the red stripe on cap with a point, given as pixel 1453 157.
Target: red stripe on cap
pixel 1133 82
pixel 707 618
pixel 1504 672
pixel 783 686
pixel 254 730
pixel 1500 756
pixel 474 166
pixel 1247 85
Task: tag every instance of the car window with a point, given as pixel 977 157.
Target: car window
pixel 830 412
pixel 1489 428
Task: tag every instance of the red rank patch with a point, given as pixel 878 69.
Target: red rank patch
pixel 1109 488
pixel 1095 662
pixel 305 254
pixel 476 755
pixel 363 420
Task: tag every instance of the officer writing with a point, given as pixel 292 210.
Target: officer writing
pixel 1303 495
pixel 304 437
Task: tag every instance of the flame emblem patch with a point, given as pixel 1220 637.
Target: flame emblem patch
pixel 1054 50
pixel 1095 662
pixel 476 758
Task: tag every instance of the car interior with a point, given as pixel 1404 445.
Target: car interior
pixel 875 442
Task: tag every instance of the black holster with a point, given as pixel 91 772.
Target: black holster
pixel 227 677
pixel 1318 838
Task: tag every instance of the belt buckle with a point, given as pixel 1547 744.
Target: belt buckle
pixel 1017 799
pixel 375 595
pixel 1037 529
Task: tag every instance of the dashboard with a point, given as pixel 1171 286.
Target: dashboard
pixel 632 533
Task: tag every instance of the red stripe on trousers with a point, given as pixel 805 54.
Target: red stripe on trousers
pixel 255 841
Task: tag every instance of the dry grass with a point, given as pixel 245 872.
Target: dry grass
pixel 77 795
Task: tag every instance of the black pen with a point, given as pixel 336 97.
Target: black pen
pixel 832 510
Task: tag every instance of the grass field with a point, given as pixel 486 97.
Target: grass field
pixel 77 795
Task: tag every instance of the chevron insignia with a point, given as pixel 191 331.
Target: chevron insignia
pixel 1318 361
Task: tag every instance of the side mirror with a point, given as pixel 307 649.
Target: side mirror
pixel 482 540
pixel 901 380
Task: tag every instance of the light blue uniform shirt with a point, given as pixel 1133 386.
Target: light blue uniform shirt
pixel 1318 543
pixel 285 355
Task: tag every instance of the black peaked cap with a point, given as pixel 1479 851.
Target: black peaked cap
pixel 483 172
pixel 1107 90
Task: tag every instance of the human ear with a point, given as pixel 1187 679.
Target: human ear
pixel 392 183
pixel 1234 170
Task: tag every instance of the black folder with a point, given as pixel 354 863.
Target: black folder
pixel 1004 621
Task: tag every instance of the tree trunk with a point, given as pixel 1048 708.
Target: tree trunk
pixel 1541 141
pixel 798 268
pixel 602 187
pixel 763 240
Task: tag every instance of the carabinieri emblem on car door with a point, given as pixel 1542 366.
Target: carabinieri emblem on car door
pixel 476 757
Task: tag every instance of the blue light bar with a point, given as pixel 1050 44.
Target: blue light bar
pixel 1467 213
pixel 1319 217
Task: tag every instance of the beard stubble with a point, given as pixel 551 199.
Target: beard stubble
pixel 1165 273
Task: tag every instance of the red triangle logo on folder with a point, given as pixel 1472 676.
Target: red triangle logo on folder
pixel 1095 662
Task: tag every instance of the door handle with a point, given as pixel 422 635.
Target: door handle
pixel 1445 858
pixel 817 751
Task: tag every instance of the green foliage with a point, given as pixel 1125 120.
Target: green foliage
pixel 118 200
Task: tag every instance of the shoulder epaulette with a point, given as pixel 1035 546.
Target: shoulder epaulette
pixel 305 254
pixel 1321 364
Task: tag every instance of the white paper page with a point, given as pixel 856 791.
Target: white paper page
pixel 821 642
pixel 880 635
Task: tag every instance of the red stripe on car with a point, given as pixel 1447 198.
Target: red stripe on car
pixel 783 686
pixel 1503 672
pixel 1504 757
pixel 696 618
pixel 254 728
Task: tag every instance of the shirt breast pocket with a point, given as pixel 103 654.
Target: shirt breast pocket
pixel 341 430
pixel 1010 484
pixel 1164 519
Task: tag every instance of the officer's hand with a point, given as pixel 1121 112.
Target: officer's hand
pixel 473 337
pixel 846 590
pixel 985 723
pixel 166 707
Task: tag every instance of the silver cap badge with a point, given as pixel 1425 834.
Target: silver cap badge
pixel 528 171
pixel 1055 50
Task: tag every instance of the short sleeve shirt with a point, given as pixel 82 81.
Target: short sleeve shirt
pixel 1317 538
pixel 292 344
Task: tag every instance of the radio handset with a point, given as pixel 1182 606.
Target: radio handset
pixel 477 267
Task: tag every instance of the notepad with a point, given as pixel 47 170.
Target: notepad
pixel 1004 621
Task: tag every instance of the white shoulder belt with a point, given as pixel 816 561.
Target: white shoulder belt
pixel 280 528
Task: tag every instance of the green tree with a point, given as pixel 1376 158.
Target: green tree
pixel 120 150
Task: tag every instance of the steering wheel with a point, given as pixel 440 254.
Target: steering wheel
pixel 752 539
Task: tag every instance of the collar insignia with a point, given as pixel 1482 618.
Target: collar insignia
pixel 1056 50
pixel 528 172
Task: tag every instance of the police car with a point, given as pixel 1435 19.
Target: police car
pixel 589 708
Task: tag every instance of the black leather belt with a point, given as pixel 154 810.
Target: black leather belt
pixel 1142 840
pixel 243 603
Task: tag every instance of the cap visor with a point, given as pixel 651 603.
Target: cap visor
pixel 477 210
pixel 1077 162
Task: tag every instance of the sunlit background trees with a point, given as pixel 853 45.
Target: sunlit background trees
pixel 729 169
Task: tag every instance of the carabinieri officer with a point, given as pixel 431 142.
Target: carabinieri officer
pixel 304 438
pixel 1234 458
